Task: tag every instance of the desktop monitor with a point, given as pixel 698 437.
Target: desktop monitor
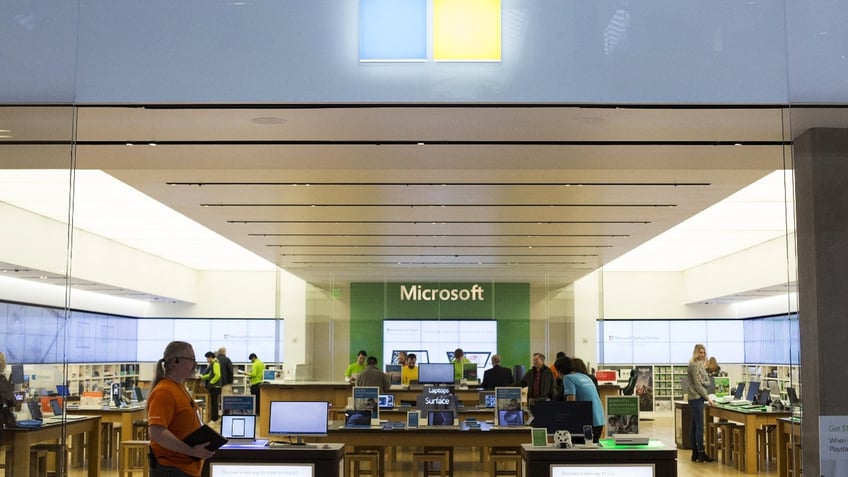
pixel 568 416
pixel 269 375
pixel 753 388
pixel 386 401
pixel 238 426
pixel 440 418
pixel 435 373
pixel 298 418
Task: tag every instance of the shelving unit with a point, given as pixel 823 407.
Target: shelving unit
pixel 98 376
pixel 785 376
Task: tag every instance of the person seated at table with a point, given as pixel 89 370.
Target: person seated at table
pixel 356 367
pixel 372 376
pixel 409 372
pixel 497 375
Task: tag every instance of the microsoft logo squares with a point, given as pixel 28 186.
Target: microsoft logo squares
pixel 420 30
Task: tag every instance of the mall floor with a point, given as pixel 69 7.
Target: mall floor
pixel 468 463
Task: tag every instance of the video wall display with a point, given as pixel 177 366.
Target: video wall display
pixel 240 336
pixel 440 338
pixel 35 334
pixel 42 335
pixel 669 341
pixel 764 340
pixel 773 340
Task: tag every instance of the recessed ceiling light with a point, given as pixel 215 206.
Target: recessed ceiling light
pixel 268 120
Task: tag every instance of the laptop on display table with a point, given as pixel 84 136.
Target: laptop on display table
pixel 240 431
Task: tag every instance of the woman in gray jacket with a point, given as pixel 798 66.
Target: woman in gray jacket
pixel 698 379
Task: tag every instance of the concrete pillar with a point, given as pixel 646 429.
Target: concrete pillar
pixel 821 183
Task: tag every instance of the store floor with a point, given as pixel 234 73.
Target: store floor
pixel 469 465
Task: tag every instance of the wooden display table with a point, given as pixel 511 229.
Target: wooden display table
pixel 538 460
pixel 336 393
pixel 21 439
pixel 788 430
pixel 326 458
pixel 752 419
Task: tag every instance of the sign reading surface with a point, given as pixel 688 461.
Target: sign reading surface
pixel 460 30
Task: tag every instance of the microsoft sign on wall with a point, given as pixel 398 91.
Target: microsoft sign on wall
pixel 421 30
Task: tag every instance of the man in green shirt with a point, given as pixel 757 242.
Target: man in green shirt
pixel 256 376
pixel 213 384
pixel 356 367
pixel 458 360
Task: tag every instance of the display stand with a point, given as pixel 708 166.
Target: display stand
pixel 327 459
pixel 538 460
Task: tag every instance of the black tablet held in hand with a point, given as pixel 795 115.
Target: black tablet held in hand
pixel 203 434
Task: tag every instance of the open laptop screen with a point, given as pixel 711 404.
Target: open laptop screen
pixel 440 418
pixel 753 388
pixel 740 388
pixel 356 418
pixel 238 427
pixel 56 407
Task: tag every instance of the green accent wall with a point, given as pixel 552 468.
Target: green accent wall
pixel 506 303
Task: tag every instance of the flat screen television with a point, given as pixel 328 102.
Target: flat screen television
pixel 435 373
pixel 568 416
pixel 298 419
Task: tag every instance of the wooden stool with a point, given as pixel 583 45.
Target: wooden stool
pixel 726 446
pixel 379 451
pixel 765 445
pixel 504 455
pixel 430 458
pixel 110 445
pixel 37 462
pixel 43 452
pixel 355 460
pixel 133 458
pixel 139 430
pixel 738 446
pixel 714 445
pixel 793 459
